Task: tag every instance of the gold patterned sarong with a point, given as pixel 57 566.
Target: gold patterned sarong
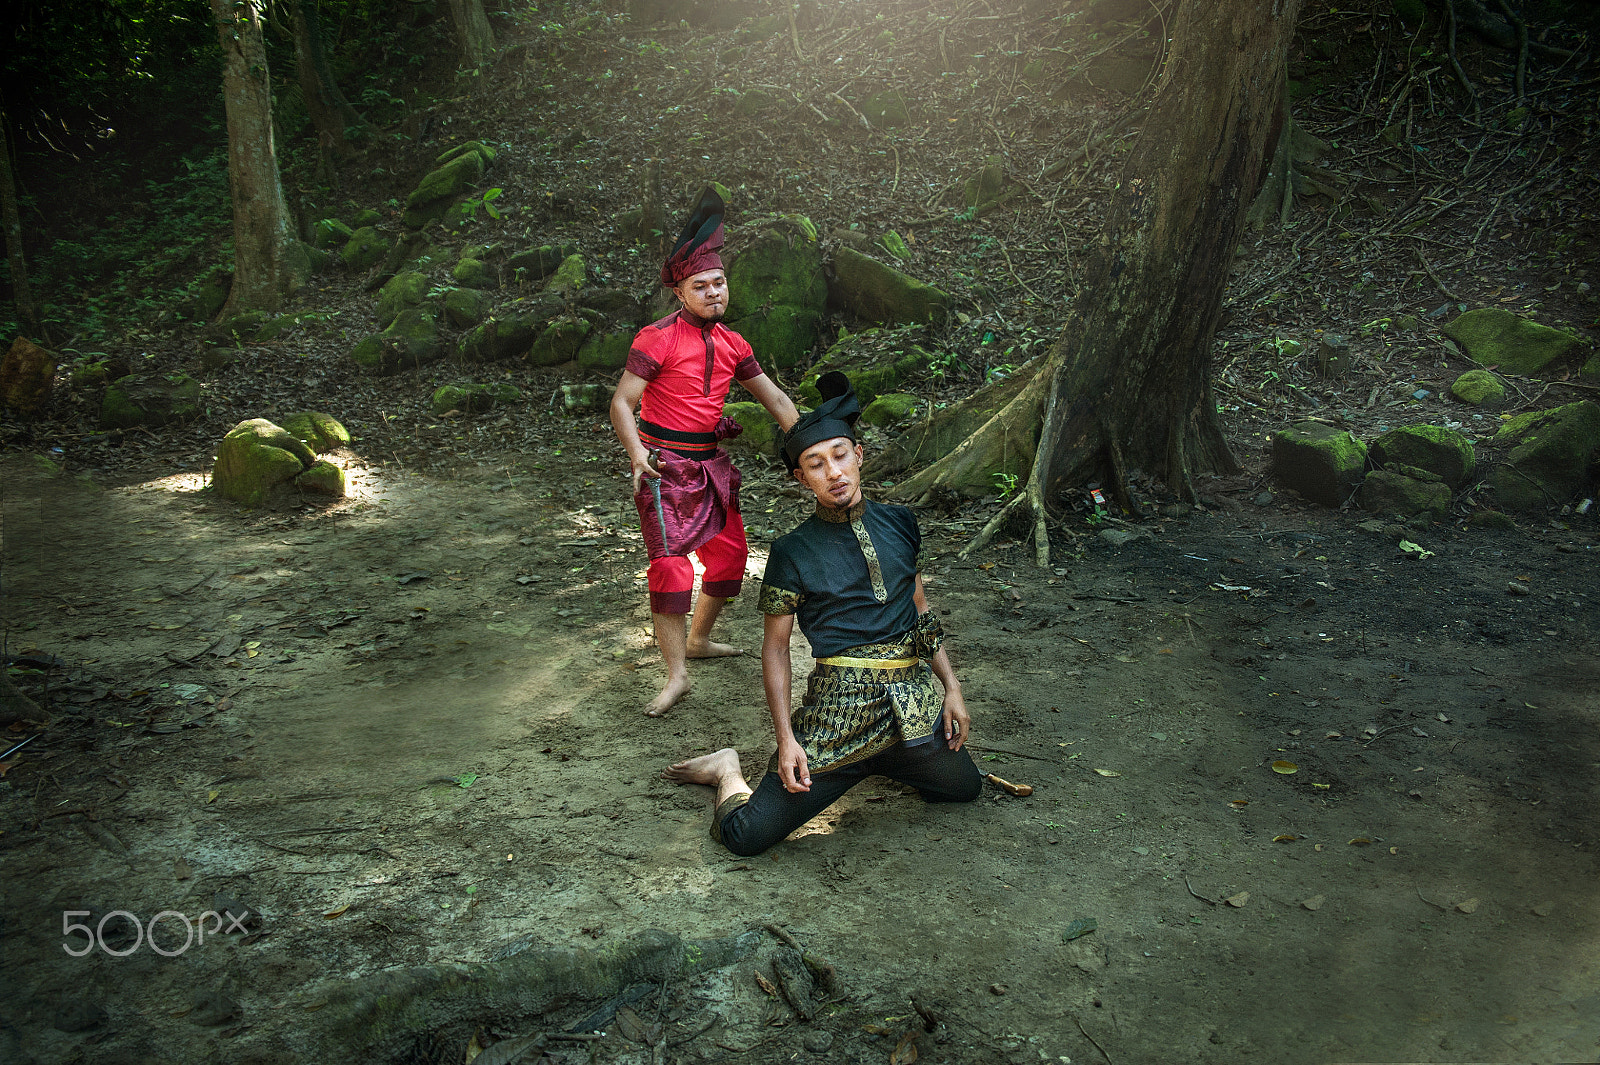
pixel 871 697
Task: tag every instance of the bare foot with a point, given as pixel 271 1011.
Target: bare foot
pixel 709 769
pixel 706 649
pixel 676 689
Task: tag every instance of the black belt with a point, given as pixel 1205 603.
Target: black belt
pixel 678 436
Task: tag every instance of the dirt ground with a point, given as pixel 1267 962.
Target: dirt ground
pixel 406 731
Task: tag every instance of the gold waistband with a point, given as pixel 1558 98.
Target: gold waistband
pixel 846 662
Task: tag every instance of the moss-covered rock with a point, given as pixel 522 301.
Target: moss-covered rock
pixel 317 431
pixel 778 295
pixel 365 249
pixel 1323 464
pixel 535 264
pixel 569 277
pixel 413 340
pixel 323 478
pixel 213 296
pixel 1480 388
pixel 150 400
pixel 454 176
pixel 1590 373
pixel 239 328
pixel 880 293
pixel 761 434
pixel 473 398
pixel 1430 447
pixel 1549 457
pixel 511 330
pixel 27 377
pixel 367 216
pixel 877 361
pixel 255 459
pixel 1493 336
pixel 895 408
pixel 400 293
pixel 559 342
pixel 474 273
pixel 466 307
pixel 478 148
pixel 1491 519
pixel 1389 492
pixel 330 233
pixel 605 352
pixel 886 109
pixel 986 184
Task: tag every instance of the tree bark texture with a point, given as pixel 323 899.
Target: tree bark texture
pixel 474 31
pixel 261 232
pixel 1132 374
pixel 330 112
pixel 21 291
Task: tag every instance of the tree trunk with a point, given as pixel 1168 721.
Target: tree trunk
pixel 262 239
pixel 21 291
pixel 1128 382
pixel 474 31
pixel 330 112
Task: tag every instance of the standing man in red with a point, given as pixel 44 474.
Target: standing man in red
pixel 685 486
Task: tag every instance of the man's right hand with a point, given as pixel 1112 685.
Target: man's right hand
pixel 792 769
pixel 642 469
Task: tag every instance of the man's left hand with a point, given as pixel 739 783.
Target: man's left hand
pixel 957 725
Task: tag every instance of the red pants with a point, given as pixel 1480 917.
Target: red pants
pixel 723 556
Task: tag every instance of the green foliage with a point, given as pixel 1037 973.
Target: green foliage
pixel 1005 484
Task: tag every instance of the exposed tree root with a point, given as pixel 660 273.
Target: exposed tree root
pixel 1003 446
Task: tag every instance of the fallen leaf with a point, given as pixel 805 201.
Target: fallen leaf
pixel 211 796
pixel 331 914
pixel 1316 846
pixel 1467 907
pixel 1360 841
pixel 1544 909
pixel 1080 927
pixel 1238 900
pixel 766 985
pixel 1108 772
pixel 1285 838
pixel 1238 804
pixel 180 869
pixel 1281 766
pixel 906 1051
pixel 1314 903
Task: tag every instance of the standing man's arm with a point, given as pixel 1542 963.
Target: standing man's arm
pixel 957 723
pixel 624 401
pixel 770 396
pixel 777 675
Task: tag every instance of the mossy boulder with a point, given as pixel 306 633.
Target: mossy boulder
pixel 877 361
pixel 455 175
pixel 213 295
pixel 605 352
pixel 1493 336
pixel 400 293
pixel 535 264
pixel 478 148
pixel 559 342
pixel 895 408
pixel 365 249
pixel 27 377
pixel 256 459
pixel 569 277
pixel 778 294
pixel 1479 388
pixel 323 478
pixel 1590 373
pixel 330 233
pixel 1430 447
pixel 413 340
pixel 761 434
pixel 367 216
pixel 150 400
pixel 879 293
pixel 986 184
pixel 473 398
pixel 241 328
pixel 886 109
pixel 1549 457
pixel 511 330
pixel 466 307
pixel 1390 492
pixel 317 431
pixel 1323 464
pixel 474 273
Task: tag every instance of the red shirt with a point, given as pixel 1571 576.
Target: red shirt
pixel 689 368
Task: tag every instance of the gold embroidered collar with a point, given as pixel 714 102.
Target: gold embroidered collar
pixel 839 517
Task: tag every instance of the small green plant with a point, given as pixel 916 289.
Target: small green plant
pixel 470 205
pixel 1006 484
